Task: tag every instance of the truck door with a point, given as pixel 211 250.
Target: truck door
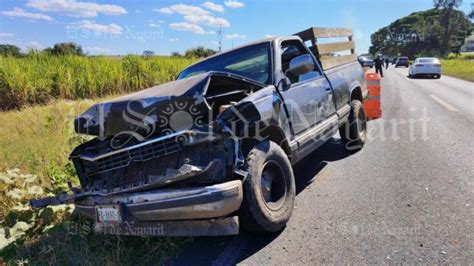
pixel 309 100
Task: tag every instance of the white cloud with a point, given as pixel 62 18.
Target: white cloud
pixel 18 12
pixel 165 10
pixel 153 25
pixel 234 4
pixel 234 36
pixel 185 26
pixel 97 50
pixel 183 10
pixel 6 34
pixel 75 8
pixel 213 6
pixel 208 20
pixel 98 28
pixel 269 36
pixel 196 15
pixel 173 39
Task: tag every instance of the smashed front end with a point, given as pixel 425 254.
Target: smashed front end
pixel 163 163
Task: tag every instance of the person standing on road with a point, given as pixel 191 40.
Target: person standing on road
pixel 387 61
pixel 379 65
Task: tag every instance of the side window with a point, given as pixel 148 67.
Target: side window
pixel 292 49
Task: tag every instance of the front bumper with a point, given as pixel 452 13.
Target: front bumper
pixel 171 204
pixel 426 72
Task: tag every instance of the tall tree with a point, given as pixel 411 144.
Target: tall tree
pixel 422 34
pixel 9 50
pixel 447 7
pixel 66 48
pixel 199 52
pixel 148 53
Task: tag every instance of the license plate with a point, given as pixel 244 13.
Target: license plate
pixel 108 214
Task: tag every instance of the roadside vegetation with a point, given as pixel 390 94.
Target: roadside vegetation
pixel 443 31
pixel 40 94
pixel 38 78
pixel 34 145
pixel 435 32
pixel 459 66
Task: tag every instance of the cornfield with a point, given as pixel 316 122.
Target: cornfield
pixel 39 78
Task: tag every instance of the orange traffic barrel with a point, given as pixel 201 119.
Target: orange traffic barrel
pixel 372 104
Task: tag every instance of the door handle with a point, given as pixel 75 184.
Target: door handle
pixel 328 89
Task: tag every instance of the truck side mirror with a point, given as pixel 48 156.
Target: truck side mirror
pixel 284 84
pixel 300 65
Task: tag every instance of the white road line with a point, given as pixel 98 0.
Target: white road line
pixel 444 104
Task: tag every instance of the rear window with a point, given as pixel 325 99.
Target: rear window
pixel 429 60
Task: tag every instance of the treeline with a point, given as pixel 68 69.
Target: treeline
pixel 435 32
pixel 70 48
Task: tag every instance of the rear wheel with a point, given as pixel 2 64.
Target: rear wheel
pixel 269 190
pixel 354 131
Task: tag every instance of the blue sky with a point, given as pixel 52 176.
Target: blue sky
pixel 122 27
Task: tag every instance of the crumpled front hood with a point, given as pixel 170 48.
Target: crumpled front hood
pixel 163 108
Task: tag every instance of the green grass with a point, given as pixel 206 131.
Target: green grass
pixel 40 78
pixel 37 140
pixel 462 56
pixel 459 68
pixel 72 243
pixel 40 95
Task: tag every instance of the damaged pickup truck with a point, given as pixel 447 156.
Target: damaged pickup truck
pixel 213 150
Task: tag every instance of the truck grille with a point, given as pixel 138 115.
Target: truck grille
pixel 139 153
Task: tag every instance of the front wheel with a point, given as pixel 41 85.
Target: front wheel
pixel 269 190
pixel 354 131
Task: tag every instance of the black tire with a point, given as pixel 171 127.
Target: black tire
pixel 267 205
pixel 438 77
pixel 354 132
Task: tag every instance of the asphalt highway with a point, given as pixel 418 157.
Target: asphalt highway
pixel 407 197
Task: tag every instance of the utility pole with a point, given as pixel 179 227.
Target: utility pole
pixel 219 37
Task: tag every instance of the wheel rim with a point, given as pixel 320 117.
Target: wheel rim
pixel 273 185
